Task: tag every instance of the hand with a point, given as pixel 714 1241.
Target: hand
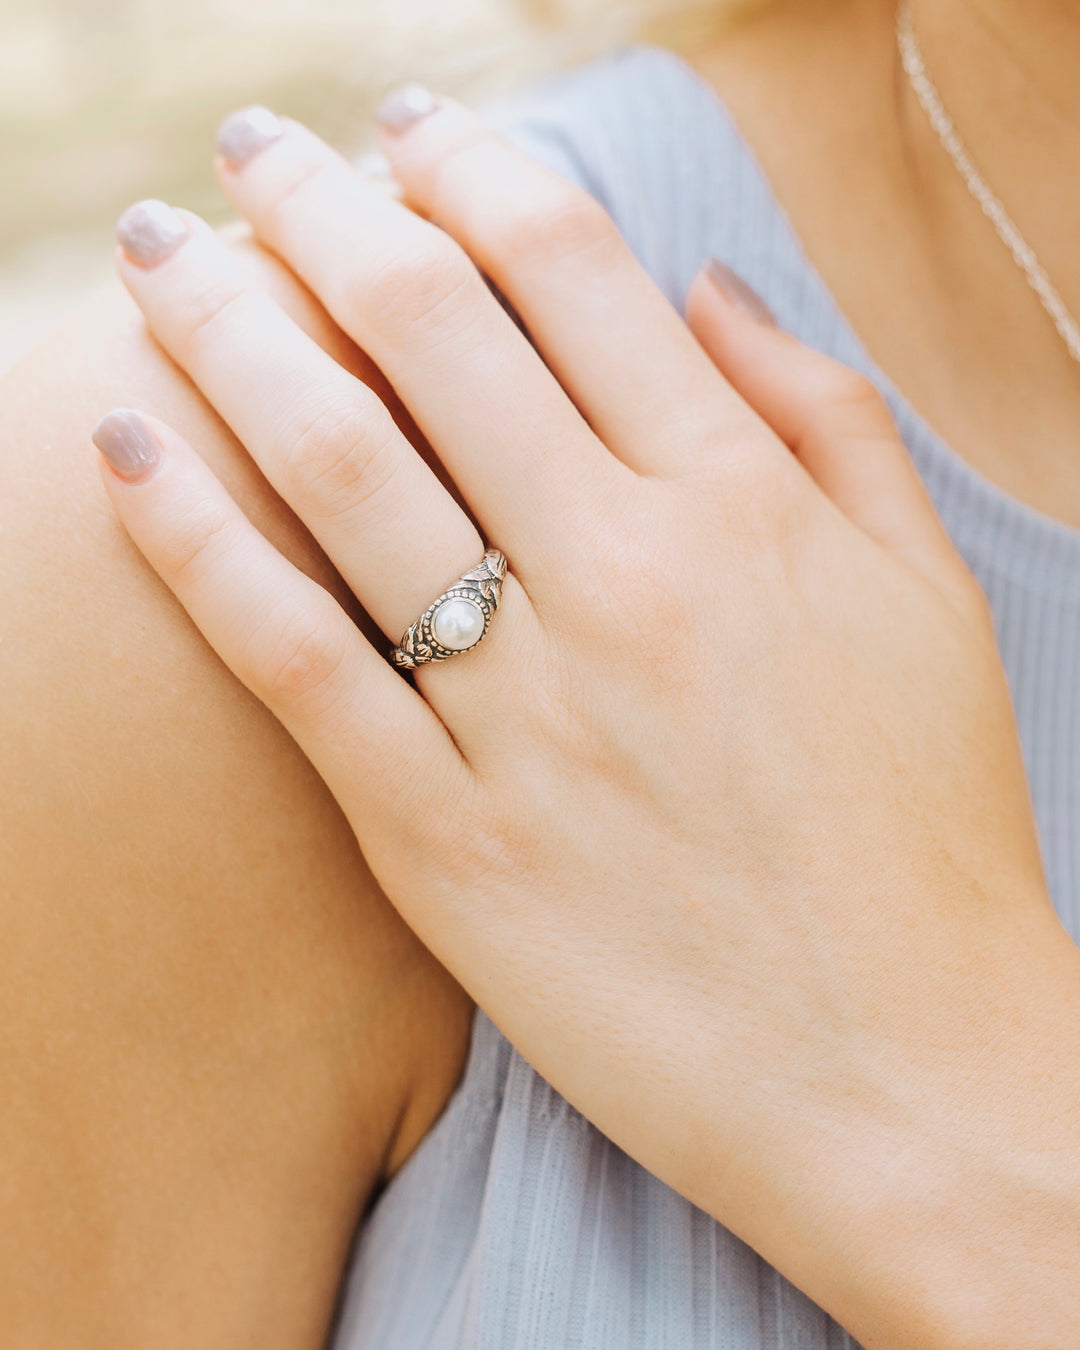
pixel 724 822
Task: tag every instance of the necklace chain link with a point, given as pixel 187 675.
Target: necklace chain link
pixel 1023 254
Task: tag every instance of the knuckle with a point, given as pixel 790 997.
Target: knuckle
pixel 194 542
pixel 341 456
pixel 657 620
pixel 288 192
pixel 756 492
pixel 847 412
pixel 293 659
pixel 726 434
pixel 205 308
pixel 749 479
pixel 566 223
pixel 650 609
pixel 843 390
pixel 427 288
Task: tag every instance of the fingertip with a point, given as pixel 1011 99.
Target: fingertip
pixel 129 444
pixel 415 126
pixel 245 134
pixel 737 292
pixel 404 106
pixel 149 232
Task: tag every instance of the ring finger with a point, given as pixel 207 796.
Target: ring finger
pixel 323 439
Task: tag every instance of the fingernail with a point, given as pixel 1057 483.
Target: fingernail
pixel 127 443
pixel 149 232
pixel 402 107
pixel 734 289
pixel 243 134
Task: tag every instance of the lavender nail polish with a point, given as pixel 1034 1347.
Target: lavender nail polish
pixel 149 232
pixel 128 444
pixel 403 107
pixel 243 134
pixel 742 296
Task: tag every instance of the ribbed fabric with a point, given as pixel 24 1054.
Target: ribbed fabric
pixel 516 1225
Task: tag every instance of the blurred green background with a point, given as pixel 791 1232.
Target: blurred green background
pixel 105 102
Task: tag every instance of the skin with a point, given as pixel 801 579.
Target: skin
pixel 890 225
pixel 548 833
pixel 215 1030
pixel 367 995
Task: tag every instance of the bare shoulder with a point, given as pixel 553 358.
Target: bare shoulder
pixel 217 1036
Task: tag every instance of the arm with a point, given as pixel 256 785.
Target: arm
pixel 726 822
pixel 215 1034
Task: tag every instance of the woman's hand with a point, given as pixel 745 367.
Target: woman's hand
pixel 724 822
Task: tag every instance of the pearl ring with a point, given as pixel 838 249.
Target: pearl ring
pixel 458 619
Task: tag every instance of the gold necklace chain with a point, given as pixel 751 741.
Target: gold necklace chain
pixel 1023 254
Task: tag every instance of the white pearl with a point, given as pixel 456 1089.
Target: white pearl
pixel 458 623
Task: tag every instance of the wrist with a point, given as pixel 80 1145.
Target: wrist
pixel 957 1213
pixel 926 1189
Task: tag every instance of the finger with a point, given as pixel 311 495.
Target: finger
pixel 279 632
pixel 412 298
pixel 615 342
pixel 377 170
pixel 323 439
pixel 835 423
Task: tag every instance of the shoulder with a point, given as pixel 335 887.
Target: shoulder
pixel 644 134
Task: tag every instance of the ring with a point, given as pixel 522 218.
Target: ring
pixel 458 619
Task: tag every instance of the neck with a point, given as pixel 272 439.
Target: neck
pixel 1006 74
pixel 1016 58
pixel 882 213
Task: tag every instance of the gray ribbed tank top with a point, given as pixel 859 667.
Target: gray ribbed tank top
pixel 516 1225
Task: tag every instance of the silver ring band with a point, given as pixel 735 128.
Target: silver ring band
pixel 458 619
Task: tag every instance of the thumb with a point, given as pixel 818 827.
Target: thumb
pixel 833 420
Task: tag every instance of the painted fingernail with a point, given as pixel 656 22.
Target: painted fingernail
pixel 149 232
pixel 127 443
pixel 243 134
pixel 735 290
pixel 402 107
